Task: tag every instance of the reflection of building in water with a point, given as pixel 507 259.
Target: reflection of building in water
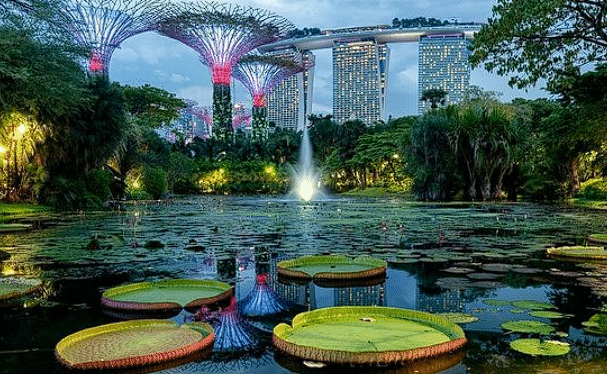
pixel 446 301
pixel 359 296
pixel 298 294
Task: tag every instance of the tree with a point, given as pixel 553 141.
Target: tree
pixel 534 39
pixel 430 157
pixel 151 106
pixel 435 96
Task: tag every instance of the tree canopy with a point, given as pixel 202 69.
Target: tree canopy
pixel 534 39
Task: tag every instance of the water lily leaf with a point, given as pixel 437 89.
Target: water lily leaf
pixel 537 347
pixel 546 314
pixel 459 318
pixel 531 304
pixel 532 327
pixel 597 324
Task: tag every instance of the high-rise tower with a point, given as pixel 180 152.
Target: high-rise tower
pixel 443 64
pixel 360 78
pixel 290 103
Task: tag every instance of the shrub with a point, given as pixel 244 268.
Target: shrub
pixel 594 189
pixel 155 181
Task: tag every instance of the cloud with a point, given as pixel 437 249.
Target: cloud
pixel 178 78
pixel 203 95
pixel 409 76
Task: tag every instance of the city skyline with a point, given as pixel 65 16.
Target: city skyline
pixel 152 59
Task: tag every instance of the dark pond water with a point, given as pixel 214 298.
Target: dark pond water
pixel 442 258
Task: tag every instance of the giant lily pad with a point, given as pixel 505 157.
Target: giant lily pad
pixel 531 327
pixel 15 287
pixel 547 314
pixel 367 335
pixel 597 239
pixel 459 318
pixel 132 344
pixel 166 294
pixel 579 253
pixel 597 324
pixel 537 347
pixel 531 304
pixel 332 267
pixel 6 228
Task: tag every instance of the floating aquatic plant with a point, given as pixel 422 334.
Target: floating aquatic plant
pixel 531 304
pixel 537 347
pixel 547 314
pixel 531 327
pixel 459 318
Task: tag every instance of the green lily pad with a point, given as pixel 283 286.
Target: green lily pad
pixel 531 304
pixel 597 324
pixel 14 227
pixel 547 314
pixel 459 318
pixel 531 327
pixel 579 253
pixel 537 347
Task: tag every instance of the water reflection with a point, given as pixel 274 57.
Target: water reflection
pixel 235 239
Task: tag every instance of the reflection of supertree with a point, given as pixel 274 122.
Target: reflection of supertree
pixel 262 300
pixel 102 25
pixel 260 74
pixel 221 34
pixel 232 333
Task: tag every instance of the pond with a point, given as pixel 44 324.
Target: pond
pixel 459 257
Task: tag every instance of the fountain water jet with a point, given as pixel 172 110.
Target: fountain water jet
pixel 306 178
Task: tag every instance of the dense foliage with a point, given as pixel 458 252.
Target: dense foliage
pixel 76 141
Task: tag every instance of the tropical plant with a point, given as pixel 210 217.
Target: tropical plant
pixel 435 96
pixel 430 157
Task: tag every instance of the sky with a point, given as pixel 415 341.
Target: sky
pixel 166 63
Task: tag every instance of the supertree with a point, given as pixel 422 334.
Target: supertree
pixel 100 26
pixel 221 34
pixel 260 74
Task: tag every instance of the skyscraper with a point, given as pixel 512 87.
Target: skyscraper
pixel 360 78
pixel 290 103
pixel 443 64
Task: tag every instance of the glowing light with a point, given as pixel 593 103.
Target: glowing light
pixel 2 149
pixel 136 184
pixel 305 188
pixel 21 129
pixel 96 63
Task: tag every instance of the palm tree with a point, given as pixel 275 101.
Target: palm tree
pixel 435 96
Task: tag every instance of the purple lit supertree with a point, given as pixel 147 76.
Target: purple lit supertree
pixel 241 120
pixel 260 74
pixel 101 26
pixel 221 34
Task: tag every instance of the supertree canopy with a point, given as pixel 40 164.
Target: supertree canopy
pixel 222 34
pixel 102 25
pixel 260 74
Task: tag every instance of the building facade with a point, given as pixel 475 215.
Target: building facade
pixel 443 64
pixel 360 79
pixel 290 103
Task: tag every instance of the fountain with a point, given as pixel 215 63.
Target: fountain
pixel 307 181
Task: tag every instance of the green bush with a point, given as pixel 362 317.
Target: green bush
pixel 594 189
pixel 155 181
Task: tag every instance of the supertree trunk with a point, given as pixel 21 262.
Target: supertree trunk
pixel 222 112
pixel 260 118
